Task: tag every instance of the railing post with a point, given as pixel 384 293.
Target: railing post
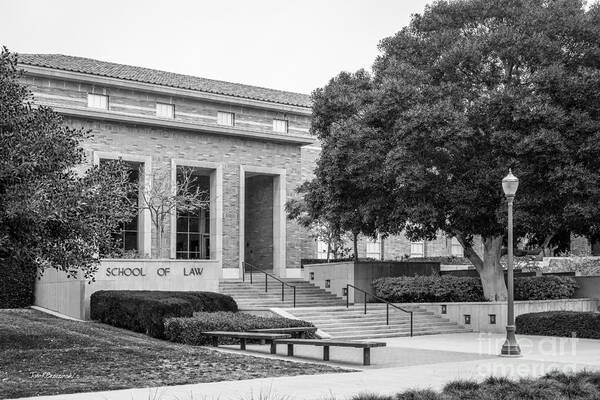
pixel 387 313
pixel 243 272
pixel 365 302
pixel 251 275
pixel 266 283
pixel 282 295
pixel 294 296
pixel 411 324
pixel 347 296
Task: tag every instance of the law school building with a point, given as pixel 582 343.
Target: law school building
pixel 249 148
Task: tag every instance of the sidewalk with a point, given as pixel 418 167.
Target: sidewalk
pixel 407 363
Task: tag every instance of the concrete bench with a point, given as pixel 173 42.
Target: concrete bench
pixel 326 344
pixel 244 336
pixel 300 331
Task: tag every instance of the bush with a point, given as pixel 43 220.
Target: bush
pixel 425 289
pixel 554 386
pixel 16 285
pixel 145 311
pixel 560 323
pixel 189 330
pixel 448 288
pixel 545 288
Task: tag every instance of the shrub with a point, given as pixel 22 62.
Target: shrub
pixel 545 288
pixel 145 311
pixel 189 330
pixel 16 285
pixel 560 323
pixel 424 289
pixel 449 288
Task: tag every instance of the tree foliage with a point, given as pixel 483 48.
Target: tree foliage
pixel 52 213
pixel 465 91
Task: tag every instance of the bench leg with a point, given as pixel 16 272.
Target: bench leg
pixel 366 356
pixel 242 344
pixel 273 347
pixel 290 349
pixel 215 341
pixel 325 353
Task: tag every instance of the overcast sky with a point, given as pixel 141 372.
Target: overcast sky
pixel 288 45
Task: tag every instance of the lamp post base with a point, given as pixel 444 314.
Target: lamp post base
pixel 510 348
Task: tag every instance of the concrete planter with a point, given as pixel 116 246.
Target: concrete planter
pixel 71 296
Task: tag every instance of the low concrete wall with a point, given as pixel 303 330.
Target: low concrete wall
pixel 71 296
pixel 361 274
pixel 480 311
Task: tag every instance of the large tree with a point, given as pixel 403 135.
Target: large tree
pixel 53 213
pixel 467 90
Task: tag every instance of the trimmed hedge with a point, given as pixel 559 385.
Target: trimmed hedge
pixel 145 311
pixel 560 323
pixel 448 288
pixel 426 289
pixel 16 285
pixel 189 330
pixel 545 288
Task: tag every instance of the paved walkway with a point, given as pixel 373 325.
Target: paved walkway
pixel 419 362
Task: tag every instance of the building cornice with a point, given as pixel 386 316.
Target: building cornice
pixel 33 70
pixel 101 115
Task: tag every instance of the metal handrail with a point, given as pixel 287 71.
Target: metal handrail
pixel 267 275
pixel 387 305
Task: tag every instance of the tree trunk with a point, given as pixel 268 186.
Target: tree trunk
pixel 355 239
pixel 328 249
pixel 490 270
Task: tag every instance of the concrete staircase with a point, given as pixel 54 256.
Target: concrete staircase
pixel 353 324
pixel 253 297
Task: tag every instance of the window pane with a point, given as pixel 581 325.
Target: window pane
pixel 182 224
pixel 130 241
pixel 206 222
pixel 206 250
pixel 165 110
pixel 97 101
pixel 194 256
pixel 194 242
pixel 182 255
pixel 225 118
pixel 194 224
pixel 131 225
pixel 182 242
pixel 280 125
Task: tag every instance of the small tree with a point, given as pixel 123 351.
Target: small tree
pixel 163 199
pixel 52 216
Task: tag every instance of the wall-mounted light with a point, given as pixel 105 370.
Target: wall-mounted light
pixel 493 319
pixel 444 309
pixel 327 283
pixel 467 319
pixel 312 276
pixel 345 291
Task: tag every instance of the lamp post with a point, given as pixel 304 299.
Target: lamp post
pixel 511 348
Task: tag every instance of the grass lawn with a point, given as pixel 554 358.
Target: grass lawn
pixel 44 355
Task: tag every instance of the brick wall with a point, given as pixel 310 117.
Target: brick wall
pixel 259 221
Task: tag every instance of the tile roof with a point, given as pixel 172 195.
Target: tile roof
pixel 147 75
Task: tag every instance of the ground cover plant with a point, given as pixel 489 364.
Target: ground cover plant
pixel 553 386
pixel 44 355
pixel 560 323
pixel 447 288
pixel 145 310
pixel 189 330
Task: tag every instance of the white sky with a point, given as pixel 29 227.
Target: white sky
pixel 288 45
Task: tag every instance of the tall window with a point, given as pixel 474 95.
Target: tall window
pixel 280 126
pixel 417 249
pixel 457 249
pixel 374 248
pixel 97 101
pixel 225 118
pixel 126 234
pixel 193 228
pixel 165 110
pixel 321 250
